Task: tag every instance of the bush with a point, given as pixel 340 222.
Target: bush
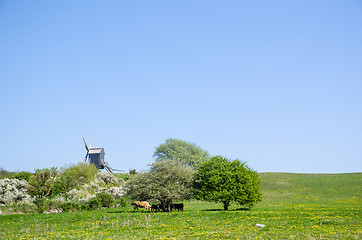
pixel 106 199
pixel 40 185
pixel 55 203
pixel 94 203
pixel 121 202
pixel 101 200
pixel 6 174
pixel 107 180
pixel 74 176
pixel 13 190
pixel 23 176
pixel 70 206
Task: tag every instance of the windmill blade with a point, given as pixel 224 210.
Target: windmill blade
pixel 85 144
pixel 91 145
pixel 85 158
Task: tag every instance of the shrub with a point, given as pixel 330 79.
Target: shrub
pixel 80 196
pixel 107 179
pixel 117 192
pixel 94 203
pixel 23 176
pixel 106 199
pixel 40 185
pixel 74 176
pixel 101 200
pixel 70 206
pixel 13 190
pixel 55 203
pixel 121 202
pixel 6 174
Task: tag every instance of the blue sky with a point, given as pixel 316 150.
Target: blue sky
pixel 277 84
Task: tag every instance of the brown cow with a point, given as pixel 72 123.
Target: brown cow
pixel 143 204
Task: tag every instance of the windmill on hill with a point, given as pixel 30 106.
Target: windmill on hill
pixel 96 156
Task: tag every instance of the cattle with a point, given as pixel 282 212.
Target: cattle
pixel 156 207
pixel 143 204
pixel 177 206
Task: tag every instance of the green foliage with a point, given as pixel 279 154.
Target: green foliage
pixel 6 174
pixel 188 153
pixel 121 202
pixel 23 176
pixel 40 185
pixel 106 199
pixel 94 203
pixel 74 176
pixel 123 176
pixel 70 206
pixel 225 181
pixel 167 181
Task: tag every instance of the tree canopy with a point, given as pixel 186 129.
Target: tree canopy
pixel 167 181
pixel 188 153
pixel 225 181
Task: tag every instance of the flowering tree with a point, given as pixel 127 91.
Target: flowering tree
pixel 189 154
pixel 167 181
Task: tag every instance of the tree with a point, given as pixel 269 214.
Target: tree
pixel 40 185
pixel 225 181
pixel 167 181
pixel 188 153
pixel 74 175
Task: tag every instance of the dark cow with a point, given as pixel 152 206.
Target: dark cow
pixel 177 206
pixel 156 207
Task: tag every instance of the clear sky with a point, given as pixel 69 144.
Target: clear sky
pixel 277 84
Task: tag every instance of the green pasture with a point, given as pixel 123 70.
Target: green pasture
pixel 294 206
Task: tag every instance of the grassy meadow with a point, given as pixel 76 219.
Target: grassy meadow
pixel 294 206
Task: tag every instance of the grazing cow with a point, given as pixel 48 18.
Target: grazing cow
pixel 156 207
pixel 177 206
pixel 143 204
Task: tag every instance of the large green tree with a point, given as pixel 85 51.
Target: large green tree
pixel 188 153
pixel 225 181
pixel 167 181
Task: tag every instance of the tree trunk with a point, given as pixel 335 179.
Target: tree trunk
pixel 226 205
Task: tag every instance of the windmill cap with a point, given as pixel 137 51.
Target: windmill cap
pixel 96 150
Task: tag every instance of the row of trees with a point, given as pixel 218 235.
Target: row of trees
pixel 78 186
pixel 183 170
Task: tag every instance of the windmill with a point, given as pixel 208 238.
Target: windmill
pixel 96 156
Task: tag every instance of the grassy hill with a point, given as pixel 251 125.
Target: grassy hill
pixel 289 189
pixel 295 206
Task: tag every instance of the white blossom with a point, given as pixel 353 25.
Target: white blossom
pixel 13 190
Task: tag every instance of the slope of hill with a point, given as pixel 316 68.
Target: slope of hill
pixel 292 189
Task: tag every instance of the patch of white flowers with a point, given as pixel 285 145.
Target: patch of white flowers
pixel 103 178
pixel 13 191
pixel 103 183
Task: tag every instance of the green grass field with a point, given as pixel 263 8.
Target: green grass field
pixel 294 206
